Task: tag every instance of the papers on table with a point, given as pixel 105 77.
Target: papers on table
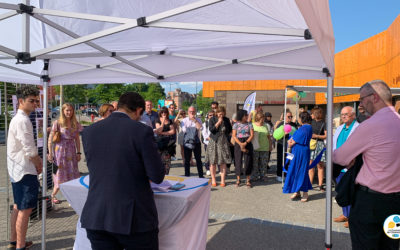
pixel 163 186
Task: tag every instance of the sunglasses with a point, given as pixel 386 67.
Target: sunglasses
pixel 290 116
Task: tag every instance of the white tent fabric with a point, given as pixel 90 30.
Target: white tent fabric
pixel 199 40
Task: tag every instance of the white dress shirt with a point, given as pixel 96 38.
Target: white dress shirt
pixel 206 132
pixel 20 147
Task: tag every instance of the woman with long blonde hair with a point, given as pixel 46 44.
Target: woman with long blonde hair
pixel 65 152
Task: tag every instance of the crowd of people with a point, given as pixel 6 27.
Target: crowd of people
pixel 245 141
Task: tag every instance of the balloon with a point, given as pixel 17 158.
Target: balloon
pixel 287 128
pixel 302 94
pixel 292 131
pixel 279 133
pixel 291 93
pixel 295 98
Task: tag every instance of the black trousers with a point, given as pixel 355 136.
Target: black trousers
pixel 366 219
pixel 247 158
pixel 103 240
pixel 279 162
pixel 197 155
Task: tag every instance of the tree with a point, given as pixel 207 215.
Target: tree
pixel 203 103
pixel 152 91
pixel 75 93
pixel 106 93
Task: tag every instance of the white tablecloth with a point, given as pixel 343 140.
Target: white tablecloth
pixel 182 215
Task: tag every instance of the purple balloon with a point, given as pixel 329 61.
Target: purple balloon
pixel 287 128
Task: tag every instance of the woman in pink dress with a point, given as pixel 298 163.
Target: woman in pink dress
pixel 65 153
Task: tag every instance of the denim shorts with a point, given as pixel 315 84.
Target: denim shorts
pixel 26 192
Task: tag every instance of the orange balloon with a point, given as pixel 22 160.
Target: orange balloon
pixel 291 93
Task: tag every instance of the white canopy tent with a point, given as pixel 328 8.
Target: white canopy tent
pixel 99 41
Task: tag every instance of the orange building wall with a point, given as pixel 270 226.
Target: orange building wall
pixel 377 57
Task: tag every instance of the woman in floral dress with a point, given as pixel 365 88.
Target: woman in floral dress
pixel 218 152
pixel 65 153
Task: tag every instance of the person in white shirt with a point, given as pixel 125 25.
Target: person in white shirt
pixel 24 164
pixel 205 132
pixel 192 124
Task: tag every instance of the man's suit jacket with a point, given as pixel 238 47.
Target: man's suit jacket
pixel 122 157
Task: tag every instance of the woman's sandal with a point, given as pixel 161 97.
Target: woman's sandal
pixel 54 200
pixel 295 196
pixel 213 184
pixel 237 184
pixel 304 199
pixel 222 184
pixel 248 184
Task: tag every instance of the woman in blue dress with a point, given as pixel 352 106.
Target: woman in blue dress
pixel 297 178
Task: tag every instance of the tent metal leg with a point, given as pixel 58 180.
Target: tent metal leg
pixel 7 176
pixel 283 142
pixel 44 171
pixel 328 215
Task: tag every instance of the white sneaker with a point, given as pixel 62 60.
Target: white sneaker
pixel 208 173
pixel 278 178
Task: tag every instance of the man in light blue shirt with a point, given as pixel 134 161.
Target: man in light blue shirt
pixel 348 117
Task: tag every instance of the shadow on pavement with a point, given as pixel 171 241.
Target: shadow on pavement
pixel 257 234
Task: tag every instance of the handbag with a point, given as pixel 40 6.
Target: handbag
pixel 313 142
pixel 57 135
pixel 346 188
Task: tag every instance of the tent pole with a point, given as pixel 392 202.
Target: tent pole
pixel 25 29
pixel 284 136
pixel 328 217
pixel 7 176
pixel 44 171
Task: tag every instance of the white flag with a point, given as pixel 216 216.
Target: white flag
pixel 250 102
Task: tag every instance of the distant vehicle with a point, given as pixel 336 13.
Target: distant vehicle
pixel 55 112
pixel 90 111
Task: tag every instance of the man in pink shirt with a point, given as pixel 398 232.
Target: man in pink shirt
pixel 378 193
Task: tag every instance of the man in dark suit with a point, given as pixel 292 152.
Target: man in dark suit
pixel 122 158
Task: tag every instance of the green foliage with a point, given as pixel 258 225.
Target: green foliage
pixel 75 93
pixel 186 105
pixel 106 93
pixel 203 103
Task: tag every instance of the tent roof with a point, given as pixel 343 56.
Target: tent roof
pixel 336 89
pixel 177 40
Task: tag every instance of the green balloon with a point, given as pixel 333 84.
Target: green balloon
pixel 292 131
pixel 295 98
pixel 279 133
pixel 302 94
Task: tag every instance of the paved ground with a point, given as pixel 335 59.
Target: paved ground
pixel 240 218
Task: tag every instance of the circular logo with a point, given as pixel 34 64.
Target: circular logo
pixel 391 227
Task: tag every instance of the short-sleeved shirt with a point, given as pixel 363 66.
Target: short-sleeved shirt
pixel 263 134
pixel 242 129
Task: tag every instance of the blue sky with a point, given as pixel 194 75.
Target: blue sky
pixel 353 21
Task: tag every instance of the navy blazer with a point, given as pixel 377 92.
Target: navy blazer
pixel 122 158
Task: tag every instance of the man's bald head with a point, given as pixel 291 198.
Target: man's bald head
pixel 347 115
pixel 375 95
pixel 379 87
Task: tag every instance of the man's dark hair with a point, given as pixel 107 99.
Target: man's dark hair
pixel 215 103
pixel 240 114
pixel 131 101
pixel 305 117
pixel 28 90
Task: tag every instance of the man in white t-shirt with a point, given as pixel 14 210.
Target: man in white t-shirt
pixel 24 164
